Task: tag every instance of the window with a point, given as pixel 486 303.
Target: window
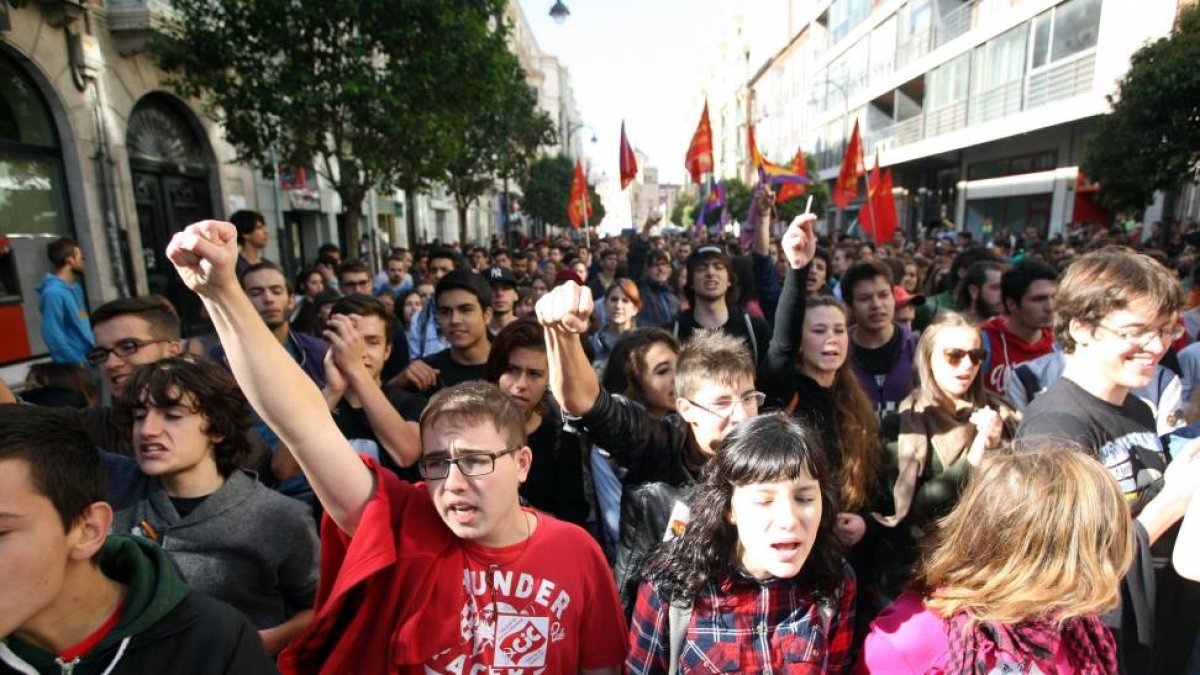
pixel 1013 166
pixel 33 195
pixel 1065 30
pixel 948 82
pixel 883 48
pixel 1000 61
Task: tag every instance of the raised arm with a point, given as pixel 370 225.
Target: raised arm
pixel 564 313
pixel 205 255
pixel 799 246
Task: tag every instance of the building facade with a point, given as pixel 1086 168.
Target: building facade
pixel 982 107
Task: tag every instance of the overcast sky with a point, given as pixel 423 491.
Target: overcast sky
pixel 637 60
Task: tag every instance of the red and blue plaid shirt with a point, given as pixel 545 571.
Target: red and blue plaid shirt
pixel 742 625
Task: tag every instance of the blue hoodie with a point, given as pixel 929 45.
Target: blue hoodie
pixel 65 326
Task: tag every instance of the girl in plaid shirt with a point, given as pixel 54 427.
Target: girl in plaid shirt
pixel 758 579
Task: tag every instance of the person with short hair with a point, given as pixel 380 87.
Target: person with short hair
pixel 1026 329
pixel 464 303
pixel 253 235
pixel 76 598
pixel 979 295
pixel 380 420
pixel 755 581
pixel 1116 317
pixel 606 274
pixel 397 280
pixel 504 298
pixel 451 576
pixel 231 537
pixel 660 305
pixel 353 276
pixel 426 337
pixel 880 349
pixel 1017 575
pixel 65 327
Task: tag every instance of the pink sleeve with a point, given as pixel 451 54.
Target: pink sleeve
pixel 880 656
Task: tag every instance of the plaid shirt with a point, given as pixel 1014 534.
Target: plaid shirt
pixel 746 626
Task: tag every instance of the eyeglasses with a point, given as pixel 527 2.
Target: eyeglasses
pixel 725 406
pixel 474 464
pixel 955 356
pixel 123 349
pixel 1140 337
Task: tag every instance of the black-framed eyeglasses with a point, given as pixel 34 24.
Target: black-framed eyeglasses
pixel 955 356
pixel 1140 337
pixel 725 406
pixel 123 349
pixel 476 463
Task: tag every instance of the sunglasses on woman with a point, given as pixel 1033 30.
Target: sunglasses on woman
pixel 955 356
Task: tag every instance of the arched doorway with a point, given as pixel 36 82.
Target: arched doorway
pixel 34 206
pixel 170 166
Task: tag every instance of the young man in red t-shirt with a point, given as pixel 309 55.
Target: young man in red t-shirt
pixel 452 576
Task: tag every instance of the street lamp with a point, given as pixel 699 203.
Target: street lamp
pixel 559 12
pixel 572 127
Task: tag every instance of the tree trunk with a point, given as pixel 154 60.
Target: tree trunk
pixel 410 214
pixel 463 235
pixel 351 214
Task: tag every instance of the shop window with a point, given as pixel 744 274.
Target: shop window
pixel 33 191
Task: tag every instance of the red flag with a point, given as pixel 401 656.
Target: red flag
pixel 579 209
pixel 866 215
pixel 887 220
pixel 629 167
pixel 846 188
pixel 700 153
pixel 790 190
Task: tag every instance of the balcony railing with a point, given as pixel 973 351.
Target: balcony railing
pixel 1061 80
pixel 995 102
pixel 915 47
pixel 944 120
pixel 956 22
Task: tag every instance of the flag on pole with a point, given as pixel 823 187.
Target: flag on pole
pixel 700 152
pixel 579 208
pixel 629 167
pixel 769 172
pixel 714 201
pixel 791 190
pixel 878 217
pixel 846 188
pixel 866 215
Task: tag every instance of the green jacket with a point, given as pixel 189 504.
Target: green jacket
pixel 164 626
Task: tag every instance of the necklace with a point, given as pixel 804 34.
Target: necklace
pixel 490 570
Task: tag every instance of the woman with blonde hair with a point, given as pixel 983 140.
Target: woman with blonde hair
pixel 1017 575
pixel 946 425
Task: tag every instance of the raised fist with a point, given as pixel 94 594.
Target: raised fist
pixel 205 256
pixel 799 243
pixel 566 308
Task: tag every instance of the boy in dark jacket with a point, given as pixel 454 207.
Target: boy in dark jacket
pixel 75 600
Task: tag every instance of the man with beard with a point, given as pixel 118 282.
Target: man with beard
pixel 710 290
pixel 880 349
pixel 979 297
pixel 1026 330
pixel 660 306
pixel 504 299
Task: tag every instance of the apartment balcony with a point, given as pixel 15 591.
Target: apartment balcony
pixel 1061 81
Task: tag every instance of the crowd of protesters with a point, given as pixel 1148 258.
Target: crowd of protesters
pixel 658 453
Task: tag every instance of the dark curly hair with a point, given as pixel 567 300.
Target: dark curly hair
pixel 770 447
pixel 202 387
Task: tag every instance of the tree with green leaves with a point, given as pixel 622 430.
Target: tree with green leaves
pixel 372 92
pixel 547 190
pixel 683 213
pixel 499 140
pixel 1151 140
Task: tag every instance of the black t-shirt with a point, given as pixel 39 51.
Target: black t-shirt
pixel 355 426
pixel 753 330
pixel 185 505
pixel 878 360
pixel 1122 437
pixel 450 372
pixel 555 480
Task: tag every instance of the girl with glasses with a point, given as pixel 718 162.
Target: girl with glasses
pixel 756 582
pixel 947 425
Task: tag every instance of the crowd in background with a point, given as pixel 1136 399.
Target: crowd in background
pixel 779 452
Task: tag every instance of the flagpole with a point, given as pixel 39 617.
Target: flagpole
pixel 871 206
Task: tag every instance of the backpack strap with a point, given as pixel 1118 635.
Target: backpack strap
pixel 753 337
pixel 1028 380
pixel 678 619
